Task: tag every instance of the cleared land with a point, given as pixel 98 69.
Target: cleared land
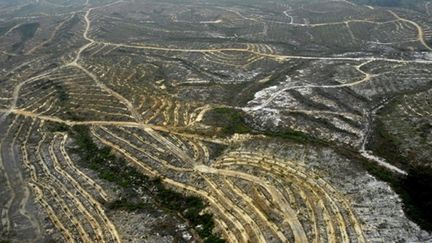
pixel 276 121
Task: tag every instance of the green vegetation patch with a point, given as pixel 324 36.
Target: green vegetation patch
pixel 128 205
pixel 229 120
pixel 235 121
pixel 115 169
pixel 385 145
pixel 27 31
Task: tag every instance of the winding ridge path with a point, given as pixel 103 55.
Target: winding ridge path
pixel 72 204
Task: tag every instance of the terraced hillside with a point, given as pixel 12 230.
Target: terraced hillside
pixel 215 121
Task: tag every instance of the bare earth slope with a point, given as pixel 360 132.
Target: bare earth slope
pixel 213 121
